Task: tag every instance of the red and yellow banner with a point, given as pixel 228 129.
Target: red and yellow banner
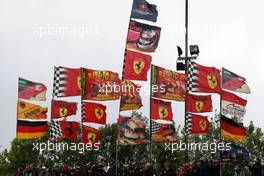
pixel 167 84
pixel 100 85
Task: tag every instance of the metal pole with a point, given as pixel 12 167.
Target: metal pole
pixel 150 109
pixel 186 72
pixel 220 118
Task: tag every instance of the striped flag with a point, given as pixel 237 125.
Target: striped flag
pixel 30 129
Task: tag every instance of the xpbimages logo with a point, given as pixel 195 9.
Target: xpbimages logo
pixel 212 147
pixel 130 88
pixel 62 146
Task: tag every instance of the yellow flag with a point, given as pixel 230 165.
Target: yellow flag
pixel 27 110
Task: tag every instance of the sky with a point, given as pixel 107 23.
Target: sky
pixel 36 35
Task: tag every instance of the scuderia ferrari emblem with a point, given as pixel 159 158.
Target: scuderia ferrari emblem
pixel 138 66
pixel 163 112
pixel 99 113
pixel 79 82
pixel 203 124
pixel 199 106
pixel 91 137
pixel 63 112
pixel 212 81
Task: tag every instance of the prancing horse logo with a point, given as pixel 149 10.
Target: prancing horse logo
pixel 163 112
pixel 63 111
pixel 212 81
pixel 203 124
pixel 99 113
pixel 199 106
pixel 138 66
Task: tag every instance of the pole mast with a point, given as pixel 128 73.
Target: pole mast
pixel 186 72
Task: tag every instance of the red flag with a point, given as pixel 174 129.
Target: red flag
pixel 31 90
pixel 63 129
pixel 167 84
pixel 161 110
pixel 130 98
pixel 198 124
pixel 233 105
pixel 203 79
pixel 94 112
pixel 199 103
pixel 67 82
pixel 90 135
pixel 162 132
pixel 61 109
pixel 100 85
pixel 136 66
pixel 69 129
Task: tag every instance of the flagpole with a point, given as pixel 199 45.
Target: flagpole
pixel 150 110
pixel 186 72
pixel 220 114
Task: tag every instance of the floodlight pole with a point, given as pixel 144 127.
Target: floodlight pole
pixel 186 72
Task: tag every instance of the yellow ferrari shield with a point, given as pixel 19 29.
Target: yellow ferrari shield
pixel 203 124
pixel 212 81
pixel 79 82
pixel 163 112
pixel 99 113
pixel 91 137
pixel 138 66
pixel 199 106
pixel 63 112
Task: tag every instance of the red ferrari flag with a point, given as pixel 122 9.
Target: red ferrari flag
pixel 61 109
pixel 90 135
pixel 199 103
pixel 161 110
pixel 100 85
pixel 136 66
pixel 203 79
pixel 67 82
pixel 197 124
pixel 94 113
pixel 63 129
pixel 233 105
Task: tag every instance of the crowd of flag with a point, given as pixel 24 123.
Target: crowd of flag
pixel 194 88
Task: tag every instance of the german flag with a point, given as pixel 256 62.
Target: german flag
pixel 232 130
pixel 30 129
